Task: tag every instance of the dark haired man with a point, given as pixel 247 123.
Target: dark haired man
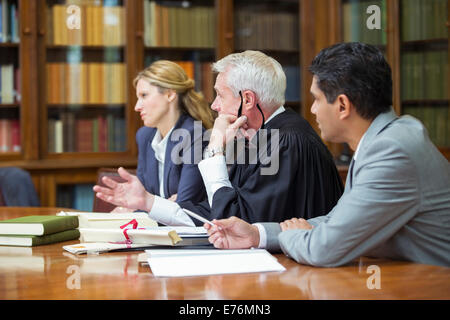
pixel 396 202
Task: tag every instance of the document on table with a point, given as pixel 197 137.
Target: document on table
pixel 184 263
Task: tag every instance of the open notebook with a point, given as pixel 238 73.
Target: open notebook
pixel 183 263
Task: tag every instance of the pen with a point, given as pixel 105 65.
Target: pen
pixel 196 216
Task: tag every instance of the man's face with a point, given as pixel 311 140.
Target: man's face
pixel 225 102
pixel 326 114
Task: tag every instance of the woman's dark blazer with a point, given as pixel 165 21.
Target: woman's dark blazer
pixel 183 152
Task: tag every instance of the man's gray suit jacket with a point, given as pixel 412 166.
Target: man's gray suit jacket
pixel 396 203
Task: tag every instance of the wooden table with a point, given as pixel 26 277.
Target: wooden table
pixel 48 272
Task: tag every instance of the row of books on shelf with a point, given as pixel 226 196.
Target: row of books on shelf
pixel 424 75
pixel 266 30
pixel 9 135
pixel 292 83
pixel 436 119
pixel 203 76
pixel 177 26
pixel 9 84
pixel 354 22
pixel 423 19
pixel 100 134
pixel 9 22
pixel 78 196
pixel 84 83
pixel 97 26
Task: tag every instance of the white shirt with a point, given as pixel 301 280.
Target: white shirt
pixel 357 148
pixel 159 146
pixel 215 176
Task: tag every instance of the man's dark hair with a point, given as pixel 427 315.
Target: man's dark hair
pixel 357 70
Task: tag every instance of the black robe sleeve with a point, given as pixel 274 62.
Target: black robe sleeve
pixel 306 185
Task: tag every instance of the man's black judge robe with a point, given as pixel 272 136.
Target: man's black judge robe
pixel 306 185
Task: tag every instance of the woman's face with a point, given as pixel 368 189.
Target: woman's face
pixel 151 104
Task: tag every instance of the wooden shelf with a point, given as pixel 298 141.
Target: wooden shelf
pixel 56 163
pixel 423 45
pixel 83 47
pixel 77 106
pixel 9 45
pixel 423 102
pixel 147 48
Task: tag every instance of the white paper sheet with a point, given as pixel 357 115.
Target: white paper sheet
pixel 183 263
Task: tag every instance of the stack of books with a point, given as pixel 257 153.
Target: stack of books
pixel 104 232
pixel 32 231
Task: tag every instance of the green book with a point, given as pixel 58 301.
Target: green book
pixel 38 225
pixel 31 241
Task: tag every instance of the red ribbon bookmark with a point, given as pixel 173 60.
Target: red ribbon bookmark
pixel 134 225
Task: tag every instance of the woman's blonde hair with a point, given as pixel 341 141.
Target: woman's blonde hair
pixel 166 74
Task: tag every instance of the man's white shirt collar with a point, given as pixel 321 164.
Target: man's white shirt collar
pixel 357 148
pixel 277 112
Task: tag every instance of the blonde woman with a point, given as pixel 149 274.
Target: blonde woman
pixel 168 148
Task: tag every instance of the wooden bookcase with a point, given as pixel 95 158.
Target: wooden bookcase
pixel 414 38
pixel 314 24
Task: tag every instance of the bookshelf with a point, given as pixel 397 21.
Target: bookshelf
pixel 424 66
pixel 414 38
pixel 10 95
pixel 85 78
pixel 272 27
pixel 44 59
pixel 353 28
pixel 184 32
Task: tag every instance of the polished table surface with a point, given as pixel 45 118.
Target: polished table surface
pixel 49 272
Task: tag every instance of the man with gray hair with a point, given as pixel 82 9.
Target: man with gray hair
pixel 250 89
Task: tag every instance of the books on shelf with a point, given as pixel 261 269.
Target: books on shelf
pixel 292 83
pixel 422 19
pixel 424 75
pixel 9 22
pixel 78 196
pixel 86 83
pixel 10 135
pixel 99 25
pixel 177 26
pixel 266 30
pixel 38 230
pixel 99 134
pixel 354 22
pixel 9 84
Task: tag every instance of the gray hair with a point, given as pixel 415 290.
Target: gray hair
pixel 255 71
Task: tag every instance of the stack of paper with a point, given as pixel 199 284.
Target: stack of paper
pixel 182 263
